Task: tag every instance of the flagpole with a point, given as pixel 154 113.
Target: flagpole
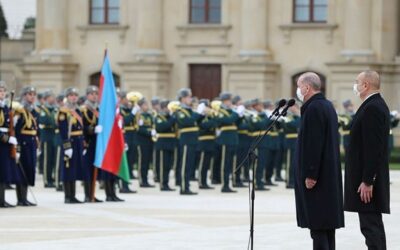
pixel 95 170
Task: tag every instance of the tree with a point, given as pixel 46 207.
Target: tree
pixel 30 23
pixel 3 23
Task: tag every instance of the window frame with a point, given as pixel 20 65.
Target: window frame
pixel 207 9
pixel 311 18
pixel 105 9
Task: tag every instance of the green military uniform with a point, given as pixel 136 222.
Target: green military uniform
pixel 345 121
pixel 130 135
pixel 50 146
pixel 291 127
pixel 165 147
pixel 145 146
pixel 228 141
pixel 258 125
pixel 187 121
pixel 206 148
pixel 241 153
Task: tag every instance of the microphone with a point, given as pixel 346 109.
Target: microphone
pixel 290 103
pixel 281 103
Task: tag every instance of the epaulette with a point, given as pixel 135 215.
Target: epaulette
pixel 64 110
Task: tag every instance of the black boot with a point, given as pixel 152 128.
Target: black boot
pixel 25 190
pixel 125 188
pixel 3 203
pixel 112 189
pixel 107 189
pixel 88 193
pixel 74 200
pixel 67 192
pixel 21 196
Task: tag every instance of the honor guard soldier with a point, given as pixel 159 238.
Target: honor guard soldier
pixel 71 130
pixel 155 108
pixel 90 115
pixel 258 125
pixel 243 146
pixel 8 166
pixel 26 134
pixel 216 167
pixel 291 127
pixel 128 113
pixel 187 121
pixel 165 144
pixel 144 138
pixel 345 121
pixel 49 157
pixel 394 122
pixel 228 138
pixel 207 145
pixel 58 141
pixel 281 149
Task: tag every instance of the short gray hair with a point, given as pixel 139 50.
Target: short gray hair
pixel 372 77
pixel 311 79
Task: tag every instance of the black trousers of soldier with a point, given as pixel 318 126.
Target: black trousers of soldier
pixel 57 169
pixel 47 161
pixel 216 168
pixel 243 171
pixel 279 163
pixel 206 162
pixel 178 166
pixel 156 165
pixel 132 157
pixel 188 161
pixel 145 152
pixel 273 157
pixel 261 165
pixel 166 162
pixel 227 159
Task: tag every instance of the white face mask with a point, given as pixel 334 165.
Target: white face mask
pixel 299 94
pixel 355 90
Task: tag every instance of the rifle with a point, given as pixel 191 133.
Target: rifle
pixel 11 130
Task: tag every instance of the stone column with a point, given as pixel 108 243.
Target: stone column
pixel 52 26
pixel 357 31
pixel 149 30
pixel 254 29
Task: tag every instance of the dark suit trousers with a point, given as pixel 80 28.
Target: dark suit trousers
pixel 323 239
pixel 372 228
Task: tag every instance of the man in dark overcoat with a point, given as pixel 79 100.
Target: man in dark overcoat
pixel 318 176
pixel 367 164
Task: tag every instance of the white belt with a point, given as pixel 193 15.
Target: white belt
pixel 4 130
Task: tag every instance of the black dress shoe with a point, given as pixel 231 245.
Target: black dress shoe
pixel 290 186
pixel 156 180
pixel 9 187
pixel 117 199
pixel 31 203
pixel 262 188
pixel 59 188
pixel 23 204
pixel 270 183
pixel 188 192
pixel 75 201
pixel 279 179
pixel 215 182
pixel 239 185
pixel 127 191
pixel 205 187
pixel 50 185
pixel 88 200
pixel 113 199
pixel 146 185
pixel 228 190
pixel 167 189
pixel 5 204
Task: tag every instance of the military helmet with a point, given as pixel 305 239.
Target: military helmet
pixel 205 101
pixel 71 91
pixel 164 103
pixel 224 96
pixel 27 90
pixel 184 92
pixel 236 99
pixel 3 85
pixel 155 101
pixel 47 93
pixel 347 103
pixel 92 89
pixel 121 94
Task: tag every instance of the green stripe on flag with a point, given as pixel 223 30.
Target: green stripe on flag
pixel 123 172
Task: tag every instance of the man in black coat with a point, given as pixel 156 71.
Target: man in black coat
pixel 318 176
pixel 367 164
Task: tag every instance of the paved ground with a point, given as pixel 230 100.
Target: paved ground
pixel 154 220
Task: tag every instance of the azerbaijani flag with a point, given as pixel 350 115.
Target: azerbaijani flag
pixel 110 155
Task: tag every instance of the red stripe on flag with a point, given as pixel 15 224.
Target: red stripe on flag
pixel 115 149
pixel 101 84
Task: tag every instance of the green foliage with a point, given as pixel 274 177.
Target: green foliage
pixel 3 23
pixel 30 23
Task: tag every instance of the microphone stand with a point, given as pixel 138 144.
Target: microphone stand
pixel 250 159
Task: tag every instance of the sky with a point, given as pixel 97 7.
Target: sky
pixel 16 12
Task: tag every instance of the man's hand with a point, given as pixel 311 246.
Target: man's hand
pixel 68 153
pixel 98 129
pixel 365 192
pixel 310 183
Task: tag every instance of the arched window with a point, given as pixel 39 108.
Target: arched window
pixel 94 79
pixel 104 12
pixel 310 11
pixel 296 77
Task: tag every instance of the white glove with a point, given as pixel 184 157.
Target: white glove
pixel 141 122
pixel 201 108
pixel 17 156
pixel 98 129
pixel 68 153
pixel 394 113
pixel 12 140
pixel 153 132
pixel 218 132
pixel 83 153
pixel 240 110
pixel 135 109
pixel 126 147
